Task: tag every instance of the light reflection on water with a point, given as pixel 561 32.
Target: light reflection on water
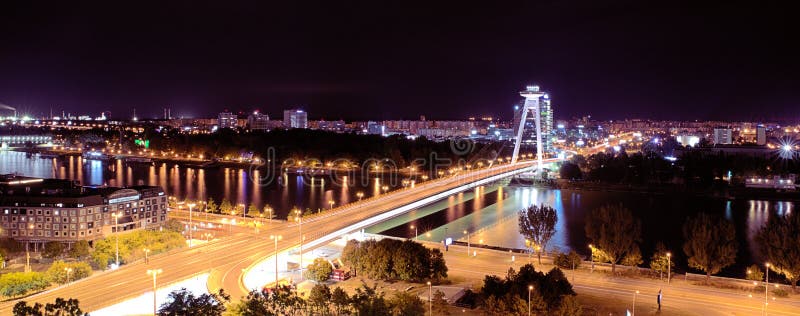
pixel 238 185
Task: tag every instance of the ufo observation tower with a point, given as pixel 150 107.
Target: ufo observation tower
pixel 532 95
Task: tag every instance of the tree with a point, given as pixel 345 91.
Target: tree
pixel 710 243
pixel 319 270
pixel 211 206
pixel 252 210
pixel 780 239
pixel 538 224
pixel 569 171
pixel 62 272
pixel 80 249
pixel 405 303
pixel 572 260
pixel 225 207
pixel 754 273
pixel 53 249
pixel 659 262
pixel 614 231
pixel 318 297
pixel 438 266
pixel 340 301
pixel 439 303
pixel 368 301
pixel 174 225
pixel 184 302
pixel 61 307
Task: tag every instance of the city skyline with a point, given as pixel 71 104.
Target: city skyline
pixel 625 60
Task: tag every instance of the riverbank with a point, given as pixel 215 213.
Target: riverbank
pixel 727 193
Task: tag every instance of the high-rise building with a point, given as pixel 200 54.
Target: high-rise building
pixel 258 121
pixel 761 135
pixel 226 120
pixel 529 132
pixel 295 118
pixel 722 136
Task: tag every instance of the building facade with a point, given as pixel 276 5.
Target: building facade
pixel 723 136
pixel 36 211
pixel 226 120
pixel 258 122
pixel 295 118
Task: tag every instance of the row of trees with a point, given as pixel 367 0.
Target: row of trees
pixel 390 259
pixel 709 241
pixel 550 294
pixel 650 167
pixel 21 283
pixel 321 300
pixel 61 307
pixel 132 245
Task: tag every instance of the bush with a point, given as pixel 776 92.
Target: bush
pixel 390 259
pixel 58 271
pixel 21 283
pixel 568 261
pixel 780 292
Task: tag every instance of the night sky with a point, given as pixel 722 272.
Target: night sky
pixel 373 59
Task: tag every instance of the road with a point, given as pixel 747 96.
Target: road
pixel 226 258
pixel 679 297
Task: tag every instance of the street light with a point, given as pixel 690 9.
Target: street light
pixel 191 205
pixel 116 232
pixel 360 195
pixel 207 236
pixel 766 288
pixel 634 303
pixel 299 219
pixel 276 238
pixel 430 298
pixel 467 233
pixel 592 257
pixel 269 212
pixel 146 251
pixel 154 273
pixel 530 288
pixel 385 188
pixel 415 231
pixel 330 202
pixel 669 266
pixel 68 270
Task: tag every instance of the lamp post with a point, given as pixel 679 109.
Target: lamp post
pixel 634 303
pixel 669 266
pixel 269 212
pixel 154 273
pixel 766 289
pixel 116 232
pixel 592 257
pixel 146 251
pixel 467 233
pixel 430 298
pixel 385 188
pixel 360 195
pixel 415 231
pixel 207 236
pixel 299 219
pixel 330 202
pixel 68 270
pixel 530 288
pixel 276 238
pixel 191 205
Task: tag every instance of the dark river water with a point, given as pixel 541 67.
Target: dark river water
pixel 487 212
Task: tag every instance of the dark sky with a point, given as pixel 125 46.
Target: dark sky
pixel 381 60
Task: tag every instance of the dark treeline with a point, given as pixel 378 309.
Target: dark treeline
pixel 692 168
